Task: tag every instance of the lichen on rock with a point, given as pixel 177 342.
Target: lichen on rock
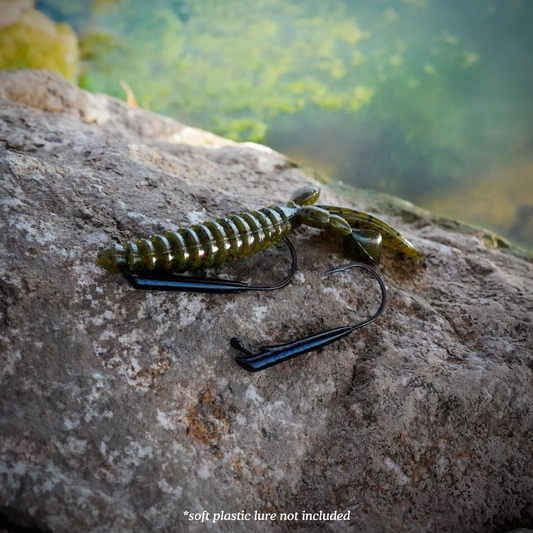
pixel 122 410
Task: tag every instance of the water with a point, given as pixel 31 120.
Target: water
pixel 424 99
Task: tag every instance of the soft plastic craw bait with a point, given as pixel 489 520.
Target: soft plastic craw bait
pixel 151 263
pixel 238 236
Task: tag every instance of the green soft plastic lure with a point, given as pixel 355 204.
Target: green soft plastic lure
pixel 238 236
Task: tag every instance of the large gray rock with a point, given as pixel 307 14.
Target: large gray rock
pixel 123 410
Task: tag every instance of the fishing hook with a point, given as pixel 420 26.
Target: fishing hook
pixel 273 355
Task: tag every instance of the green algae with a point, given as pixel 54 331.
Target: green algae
pixel 232 66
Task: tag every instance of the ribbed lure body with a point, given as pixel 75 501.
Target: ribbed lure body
pixel 203 245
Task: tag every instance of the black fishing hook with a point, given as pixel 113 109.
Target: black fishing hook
pixel 203 285
pixel 273 355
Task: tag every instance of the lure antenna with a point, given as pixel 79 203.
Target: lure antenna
pixel 274 355
pixel 203 285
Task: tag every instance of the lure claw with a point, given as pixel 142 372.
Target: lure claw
pixel 273 355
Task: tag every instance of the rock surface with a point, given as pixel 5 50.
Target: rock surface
pixel 123 410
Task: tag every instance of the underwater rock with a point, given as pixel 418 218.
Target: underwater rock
pixel 122 410
pixel 29 39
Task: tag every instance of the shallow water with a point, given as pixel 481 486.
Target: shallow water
pixel 427 100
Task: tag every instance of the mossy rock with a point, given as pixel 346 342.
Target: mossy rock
pixel 35 41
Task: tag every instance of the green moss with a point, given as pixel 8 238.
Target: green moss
pixel 35 41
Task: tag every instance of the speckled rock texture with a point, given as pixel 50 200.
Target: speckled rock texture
pixel 123 410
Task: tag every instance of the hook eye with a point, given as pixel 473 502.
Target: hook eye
pixel 274 355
